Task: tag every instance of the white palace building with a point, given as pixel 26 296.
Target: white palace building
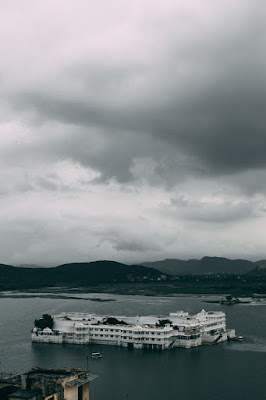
pixel 179 329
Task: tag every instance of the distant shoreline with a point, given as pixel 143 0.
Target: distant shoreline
pixel 166 289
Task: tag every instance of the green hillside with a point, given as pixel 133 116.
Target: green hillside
pixel 79 274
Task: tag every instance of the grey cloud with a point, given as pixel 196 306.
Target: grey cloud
pixel 163 109
pixel 201 95
pixel 71 235
pixel 129 245
pixel 49 183
pixel 211 212
pixel 249 182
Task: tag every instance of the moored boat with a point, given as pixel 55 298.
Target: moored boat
pixel 236 338
pixel 96 355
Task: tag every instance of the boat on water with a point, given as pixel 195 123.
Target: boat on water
pixel 238 338
pixel 96 355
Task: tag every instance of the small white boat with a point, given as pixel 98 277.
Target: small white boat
pixel 96 355
pixel 237 338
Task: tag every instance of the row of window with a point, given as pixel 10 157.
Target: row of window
pixel 130 332
pixel 81 329
pixel 70 335
pixel 79 336
pixel 215 324
pixel 107 329
pixel 125 337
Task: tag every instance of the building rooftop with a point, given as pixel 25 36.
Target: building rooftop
pixel 42 383
pixel 56 372
pixel 82 381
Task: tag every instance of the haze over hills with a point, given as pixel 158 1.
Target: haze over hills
pixel 212 265
pixel 29 266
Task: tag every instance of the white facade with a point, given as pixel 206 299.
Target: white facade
pixel 176 330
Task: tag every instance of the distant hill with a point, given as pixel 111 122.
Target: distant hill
pixel 6 266
pixel 260 268
pixel 105 271
pixel 208 275
pixel 79 274
pixel 261 264
pixel 212 265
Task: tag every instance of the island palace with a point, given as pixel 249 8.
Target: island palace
pixel 179 329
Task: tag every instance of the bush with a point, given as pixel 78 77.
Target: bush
pixel 163 322
pixel 45 322
pixel 114 321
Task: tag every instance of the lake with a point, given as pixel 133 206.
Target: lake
pixel 229 371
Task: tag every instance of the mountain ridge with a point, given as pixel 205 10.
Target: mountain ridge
pixel 202 266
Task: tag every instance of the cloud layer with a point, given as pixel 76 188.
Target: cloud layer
pixel 132 130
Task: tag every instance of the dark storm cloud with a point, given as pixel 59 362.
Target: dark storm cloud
pixel 204 97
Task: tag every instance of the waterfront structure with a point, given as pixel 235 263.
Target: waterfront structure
pixel 179 329
pixel 229 300
pixel 47 384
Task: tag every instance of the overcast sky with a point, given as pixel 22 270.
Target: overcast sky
pixel 132 130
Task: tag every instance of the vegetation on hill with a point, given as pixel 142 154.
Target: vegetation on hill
pixel 261 264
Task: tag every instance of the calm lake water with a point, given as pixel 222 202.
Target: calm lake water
pixel 228 371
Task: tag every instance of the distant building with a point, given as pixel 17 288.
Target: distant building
pixel 47 384
pixel 179 329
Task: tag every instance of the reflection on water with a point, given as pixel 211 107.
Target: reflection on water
pixel 231 371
